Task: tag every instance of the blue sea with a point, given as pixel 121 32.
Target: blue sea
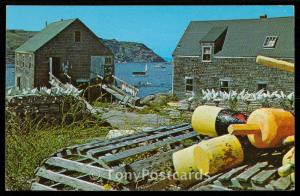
pixel 157 80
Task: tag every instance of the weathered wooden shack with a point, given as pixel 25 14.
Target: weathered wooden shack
pixel 69 50
pixel 221 55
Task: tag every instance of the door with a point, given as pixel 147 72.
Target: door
pixel 97 66
pixel 56 67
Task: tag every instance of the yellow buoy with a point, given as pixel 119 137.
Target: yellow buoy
pixel 274 63
pixel 288 163
pixel 213 121
pixel 183 161
pixel 218 154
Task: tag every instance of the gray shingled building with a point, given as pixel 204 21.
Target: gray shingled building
pixel 221 55
pixel 66 48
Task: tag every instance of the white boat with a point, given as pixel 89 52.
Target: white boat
pixel 141 73
pixel 160 65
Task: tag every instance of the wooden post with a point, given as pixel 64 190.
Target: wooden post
pixel 50 68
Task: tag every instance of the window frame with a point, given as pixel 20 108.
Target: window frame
pixel 268 39
pixel 186 84
pixel 18 82
pixel 262 83
pixel 29 60
pixel 80 39
pixel 17 59
pixel 220 85
pixel 110 61
pixel 210 59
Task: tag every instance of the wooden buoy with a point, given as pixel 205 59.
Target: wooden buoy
pixel 266 127
pixel 183 162
pixel 288 164
pixel 274 63
pixel 218 154
pixel 213 121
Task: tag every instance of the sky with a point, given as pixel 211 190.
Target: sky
pixel 158 27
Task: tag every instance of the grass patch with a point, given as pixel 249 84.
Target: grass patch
pixel 29 141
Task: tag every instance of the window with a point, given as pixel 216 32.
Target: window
pixel 270 41
pixel 224 85
pixel 206 54
pixel 108 60
pixel 77 36
pixel 30 61
pixel 18 60
pixel 189 87
pixel 262 85
pixel 23 60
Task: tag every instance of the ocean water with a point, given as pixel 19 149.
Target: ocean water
pixel 10 75
pixel 157 80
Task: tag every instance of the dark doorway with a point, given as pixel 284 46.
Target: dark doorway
pixel 56 67
pixel 19 83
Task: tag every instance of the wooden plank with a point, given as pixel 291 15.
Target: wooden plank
pixel 70 181
pixel 282 183
pixel 104 149
pixel 158 186
pixel 129 137
pixel 212 187
pixel 246 175
pixel 263 176
pixel 205 182
pixel 85 169
pixel 40 187
pixel 150 163
pixel 235 184
pixel 231 173
pixel 218 183
pixel 142 149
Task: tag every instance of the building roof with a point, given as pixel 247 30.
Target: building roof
pixel 213 34
pixel 44 36
pixel 244 38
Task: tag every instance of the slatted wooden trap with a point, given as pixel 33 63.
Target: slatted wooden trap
pixel 90 166
pixel 101 164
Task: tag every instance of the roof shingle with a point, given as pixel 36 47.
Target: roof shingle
pixel 44 36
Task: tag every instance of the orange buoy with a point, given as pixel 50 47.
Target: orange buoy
pixel 266 127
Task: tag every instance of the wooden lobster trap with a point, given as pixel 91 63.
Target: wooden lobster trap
pixel 120 164
pixel 95 165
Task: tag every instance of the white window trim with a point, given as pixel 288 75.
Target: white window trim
pixel 270 47
pixel 206 61
pixel 185 79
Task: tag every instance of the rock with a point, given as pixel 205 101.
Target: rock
pixel 117 133
pixel 174 114
pixel 184 105
pixel 159 100
pixel 121 119
pixel 146 100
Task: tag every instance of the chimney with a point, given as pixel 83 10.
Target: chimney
pixel 46 23
pixel 263 16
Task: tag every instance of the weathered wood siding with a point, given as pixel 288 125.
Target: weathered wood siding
pixel 243 73
pixel 77 54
